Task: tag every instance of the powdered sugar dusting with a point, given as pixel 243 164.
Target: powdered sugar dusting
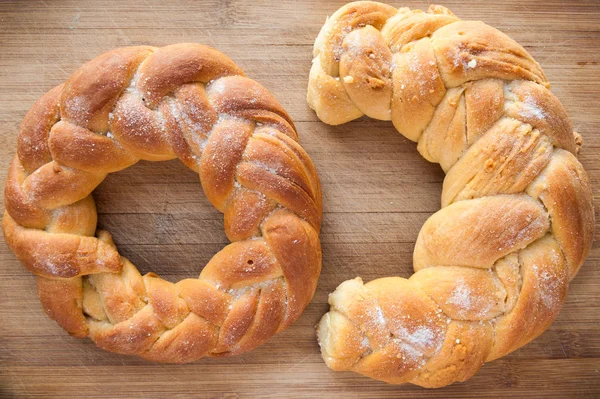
pixel 456 55
pixel 421 337
pixel 133 86
pixel 365 342
pixel 216 87
pixel 77 108
pixel 461 295
pixel 267 167
pixel 415 343
pixel 532 109
pixel 380 319
pixel 548 287
pixel 196 137
pixel 51 267
pixel 144 125
pixel 422 79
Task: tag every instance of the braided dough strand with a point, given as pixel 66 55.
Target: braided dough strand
pixel 183 101
pixel 492 267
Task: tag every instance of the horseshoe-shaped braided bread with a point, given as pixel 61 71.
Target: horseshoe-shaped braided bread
pixel 183 101
pixel 516 224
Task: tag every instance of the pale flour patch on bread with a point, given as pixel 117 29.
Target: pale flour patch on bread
pixel 78 108
pixel 461 295
pixel 414 344
pixel 532 109
pixel 549 285
pixel 379 318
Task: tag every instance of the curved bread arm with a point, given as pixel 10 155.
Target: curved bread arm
pixel 493 265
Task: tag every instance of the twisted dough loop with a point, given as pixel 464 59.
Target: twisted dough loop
pixel 183 101
pixel 493 265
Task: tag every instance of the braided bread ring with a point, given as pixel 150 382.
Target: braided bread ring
pixel 493 265
pixel 183 101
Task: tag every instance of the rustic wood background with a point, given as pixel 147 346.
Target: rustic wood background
pixel 377 193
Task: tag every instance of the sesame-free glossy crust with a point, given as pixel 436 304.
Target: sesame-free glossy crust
pixel 184 101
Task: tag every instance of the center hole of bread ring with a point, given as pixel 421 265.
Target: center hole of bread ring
pixel 160 218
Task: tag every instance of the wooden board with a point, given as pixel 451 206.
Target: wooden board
pixel 377 193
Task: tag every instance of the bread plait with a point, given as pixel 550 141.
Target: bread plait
pixel 184 101
pixel 492 267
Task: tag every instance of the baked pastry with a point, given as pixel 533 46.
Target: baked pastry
pixel 183 101
pixel 493 265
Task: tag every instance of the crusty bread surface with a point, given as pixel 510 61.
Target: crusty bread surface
pixel 184 101
pixel 492 267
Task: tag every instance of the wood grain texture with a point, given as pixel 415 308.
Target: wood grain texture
pixel 377 193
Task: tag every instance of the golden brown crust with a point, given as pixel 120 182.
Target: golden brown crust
pixel 517 218
pixel 463 352
pixel 417 90
pixel 87 102
pixel 563 187
pixel 32 143
pixel 505 160
pixel 62 301
pixel 445 138
pixel 478 232
pixel 495 55
pixel 543 291
pixel 184 101
pixel 22 209
pixel 371 78
pixel 485 101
